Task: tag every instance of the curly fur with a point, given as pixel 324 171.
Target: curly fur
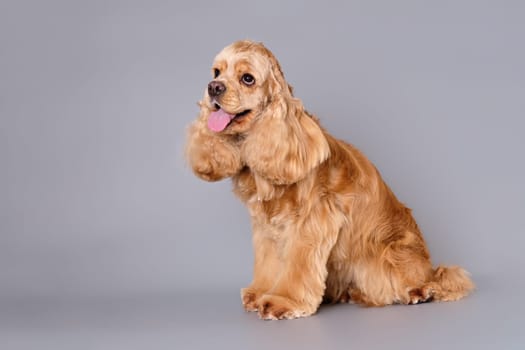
pixel 325 224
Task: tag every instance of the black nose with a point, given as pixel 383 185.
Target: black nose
pixel 216 88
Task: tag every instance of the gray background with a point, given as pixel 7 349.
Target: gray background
pixel 109 242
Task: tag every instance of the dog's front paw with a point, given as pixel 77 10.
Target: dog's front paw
pixel 274 307
pixel 249 298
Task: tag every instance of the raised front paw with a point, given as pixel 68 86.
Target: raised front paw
pixel 274 307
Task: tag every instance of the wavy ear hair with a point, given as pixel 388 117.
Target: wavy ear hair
pixel 285 142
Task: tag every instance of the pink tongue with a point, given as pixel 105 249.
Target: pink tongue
pixel 218 120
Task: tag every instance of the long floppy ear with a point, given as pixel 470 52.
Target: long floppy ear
pixel 285 144
pixel 211 156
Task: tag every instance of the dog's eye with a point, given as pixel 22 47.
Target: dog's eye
pixel 216 73
pixel 248 79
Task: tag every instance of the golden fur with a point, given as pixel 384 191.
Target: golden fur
pixel 325 225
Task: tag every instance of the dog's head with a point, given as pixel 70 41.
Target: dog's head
pixel 249 96
pixel 246 76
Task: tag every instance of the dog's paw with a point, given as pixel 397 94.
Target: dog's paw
pixel 420 295
pixel 249 298
pixel 273 307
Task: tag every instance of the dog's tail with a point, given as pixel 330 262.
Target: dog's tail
pixel 450 283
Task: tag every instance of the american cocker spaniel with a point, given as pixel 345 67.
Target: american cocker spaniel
pixel 325 225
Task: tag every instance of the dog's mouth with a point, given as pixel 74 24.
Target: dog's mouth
pixel 219 119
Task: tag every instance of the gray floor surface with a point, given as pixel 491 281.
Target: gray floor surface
pixel 491 318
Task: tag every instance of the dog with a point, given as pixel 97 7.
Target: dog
pixel 325 225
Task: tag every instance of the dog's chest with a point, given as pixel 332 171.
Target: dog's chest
pixel 252 188
pixel 272 204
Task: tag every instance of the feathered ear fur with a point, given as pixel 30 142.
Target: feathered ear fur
pixel 285 143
